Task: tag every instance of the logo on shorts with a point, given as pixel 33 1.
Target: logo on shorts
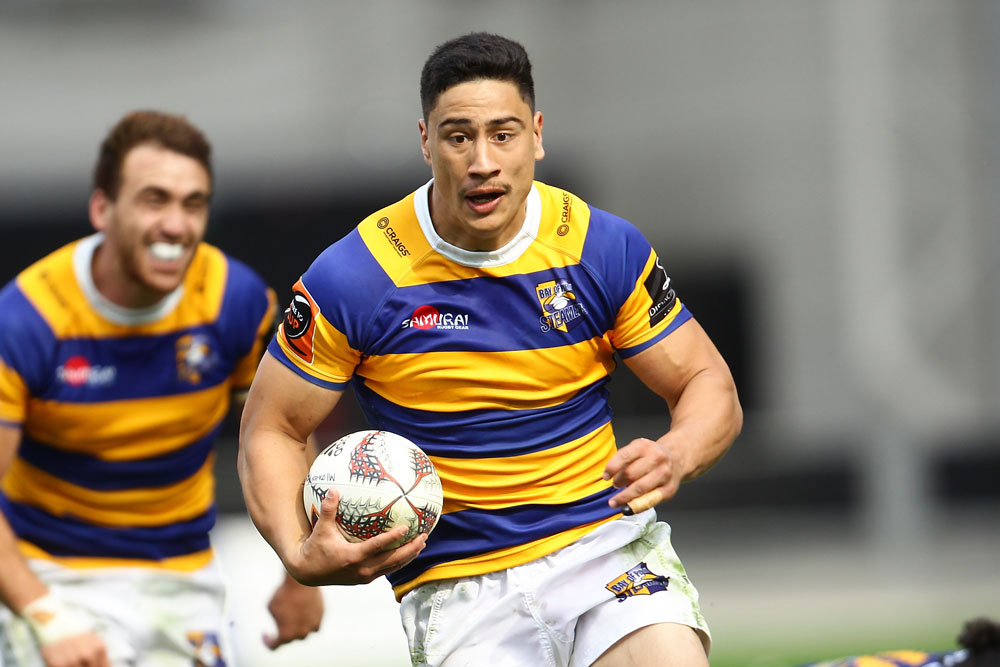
pixel 638 581
pixel 561 309
pixel 207 652
pixel 299 323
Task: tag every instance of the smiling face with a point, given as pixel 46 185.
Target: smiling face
pixel 481 141
pixel 153 227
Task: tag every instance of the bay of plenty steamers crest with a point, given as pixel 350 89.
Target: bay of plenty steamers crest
pixel 561 310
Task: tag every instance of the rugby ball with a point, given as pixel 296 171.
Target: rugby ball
pixel 383 479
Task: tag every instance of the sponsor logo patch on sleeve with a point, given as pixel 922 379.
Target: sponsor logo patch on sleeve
pixel 658 287
pixel 298 325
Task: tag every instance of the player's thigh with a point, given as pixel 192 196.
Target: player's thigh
pixel 659 645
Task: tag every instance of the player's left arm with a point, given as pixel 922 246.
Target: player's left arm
pixel 687 371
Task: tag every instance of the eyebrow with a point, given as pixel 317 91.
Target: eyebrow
pixel 493 123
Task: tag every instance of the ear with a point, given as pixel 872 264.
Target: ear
pixel 537 129
pixel 99 209
pixel 423 141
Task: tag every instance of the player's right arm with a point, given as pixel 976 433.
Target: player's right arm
pixel 63 638
pixel 282 409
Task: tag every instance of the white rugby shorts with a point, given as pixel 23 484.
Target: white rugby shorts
pixel 146 617
pixel 562 610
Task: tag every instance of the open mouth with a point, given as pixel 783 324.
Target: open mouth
pixel 485 197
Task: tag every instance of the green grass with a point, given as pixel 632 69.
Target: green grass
pixel 792 651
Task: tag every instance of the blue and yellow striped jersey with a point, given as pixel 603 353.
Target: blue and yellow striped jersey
pixel 119 408
pixel 495 363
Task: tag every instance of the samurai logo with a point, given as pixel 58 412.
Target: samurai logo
pixel 561 310
pixel 194 357
pixel 638 581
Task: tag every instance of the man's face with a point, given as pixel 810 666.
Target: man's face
pixel 153 228
pixel 481 141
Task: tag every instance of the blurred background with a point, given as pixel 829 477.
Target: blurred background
pixel 820 179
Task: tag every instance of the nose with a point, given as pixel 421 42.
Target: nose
pixel 483 164
pixel 173 223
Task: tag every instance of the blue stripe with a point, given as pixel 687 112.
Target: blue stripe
pixel 27 344
pixel 472 532
pixel 617 250
pixel 343 281
pixel 99 475
pixel 482 300
pixel 490 433
pixel 133 361
pixel 67 536
pixel 275 350
pixel 683 316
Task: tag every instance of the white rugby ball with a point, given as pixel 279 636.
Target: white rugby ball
pixel 383 479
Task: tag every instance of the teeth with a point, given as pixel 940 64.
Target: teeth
pixel 166 251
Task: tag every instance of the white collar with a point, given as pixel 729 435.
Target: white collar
pixel 83 256
pixel 510 252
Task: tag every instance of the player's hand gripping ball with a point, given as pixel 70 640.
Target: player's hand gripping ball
pixel 383 479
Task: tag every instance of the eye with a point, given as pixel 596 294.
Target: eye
pixel 458 139
pixel 503 136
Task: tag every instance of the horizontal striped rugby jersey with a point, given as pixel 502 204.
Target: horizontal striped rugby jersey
pixel 494 363
pixel 119 408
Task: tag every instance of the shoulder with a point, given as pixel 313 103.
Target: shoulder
pixel 370 259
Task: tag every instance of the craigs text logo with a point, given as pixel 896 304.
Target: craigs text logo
pixel 298 326
pixel 638 581
pixel 429 317
pixel 77 371
pixel 392 237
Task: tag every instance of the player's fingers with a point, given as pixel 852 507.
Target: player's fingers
pixel 618 462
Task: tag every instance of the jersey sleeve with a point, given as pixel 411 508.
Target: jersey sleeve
pixel 248 319
pixel 648 308
pixel 25 348
pixel 322 332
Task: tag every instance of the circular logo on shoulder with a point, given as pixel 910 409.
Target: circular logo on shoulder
pixel 562 230
pixel 383 223
pixel 298 316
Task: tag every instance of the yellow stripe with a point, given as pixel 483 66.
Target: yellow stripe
pixel 186 563
pixel 13 395
pixel 129 429
pixel 452 381
pixel 561 474
pixel 50 285
pixel 156 506
pixel 499 560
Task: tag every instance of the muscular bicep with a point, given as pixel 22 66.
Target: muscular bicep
pixel 281 401
pixel 673 362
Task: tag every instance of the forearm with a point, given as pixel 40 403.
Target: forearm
pixel 272 467
pixel 18 584
pixel 705 420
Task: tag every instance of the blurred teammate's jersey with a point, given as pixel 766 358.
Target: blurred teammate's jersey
pixel 495 363
pixel 900 659
pixel 119 408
